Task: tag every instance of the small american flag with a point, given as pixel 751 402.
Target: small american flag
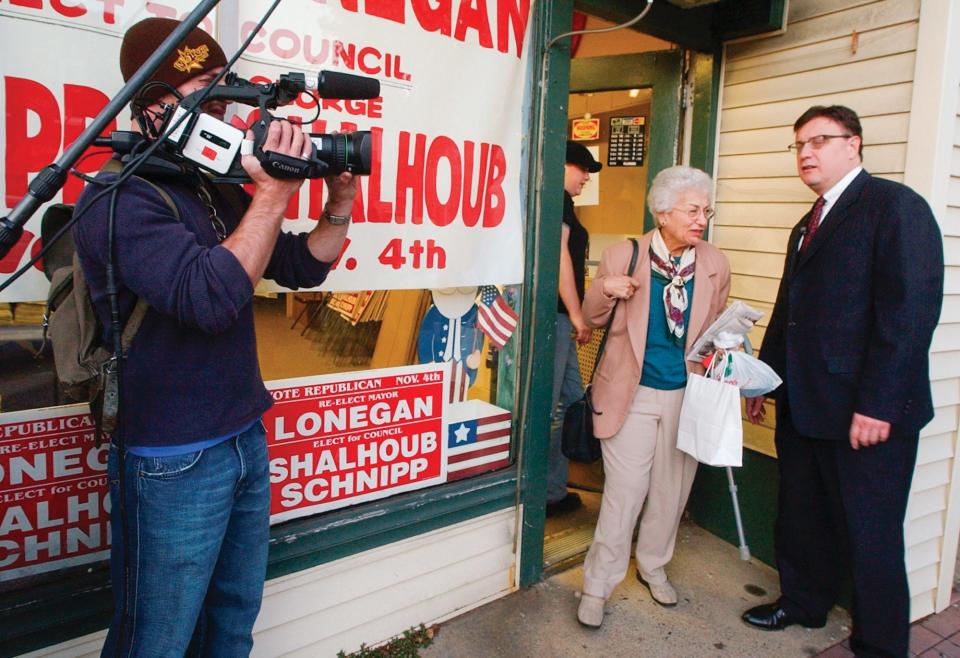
pixel 478 439
pixel 495 318
pixel 459 383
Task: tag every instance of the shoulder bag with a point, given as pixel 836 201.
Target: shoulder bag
pixel 577 441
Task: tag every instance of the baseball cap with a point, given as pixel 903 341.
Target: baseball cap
pixel 196 54
pixel 578 154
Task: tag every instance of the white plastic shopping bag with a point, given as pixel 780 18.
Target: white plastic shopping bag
pixel 711 430
pixel 751 375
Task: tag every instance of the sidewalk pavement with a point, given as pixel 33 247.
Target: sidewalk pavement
pixel 714 586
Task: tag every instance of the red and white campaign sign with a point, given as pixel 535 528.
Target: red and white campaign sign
pixel 338 440
pixel 55 510
pixel 333 440
pixel 442 206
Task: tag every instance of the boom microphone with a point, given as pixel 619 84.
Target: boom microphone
pixel 332 84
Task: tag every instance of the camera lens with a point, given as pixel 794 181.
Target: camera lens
pixel 345 152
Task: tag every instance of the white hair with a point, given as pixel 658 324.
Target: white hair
pixel 671 182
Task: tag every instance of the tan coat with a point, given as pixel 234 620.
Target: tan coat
pixel 618 374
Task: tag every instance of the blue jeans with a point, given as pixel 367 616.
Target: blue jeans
pixel 196 540
pixel 567 389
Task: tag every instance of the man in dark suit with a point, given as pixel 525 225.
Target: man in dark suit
pixel 850 335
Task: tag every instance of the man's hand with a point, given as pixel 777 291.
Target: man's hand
pixel 866 431
pixel 287 139
pixel 755 409
pixel 620 286
pixel 343 190
pixel 581 332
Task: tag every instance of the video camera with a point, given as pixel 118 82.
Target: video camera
pixel 218 146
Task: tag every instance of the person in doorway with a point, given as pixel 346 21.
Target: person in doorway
pixel 679 287
pixel 849 335
pixel 188 470
pixel 570 328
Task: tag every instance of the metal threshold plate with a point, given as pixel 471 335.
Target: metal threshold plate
pixel 566 544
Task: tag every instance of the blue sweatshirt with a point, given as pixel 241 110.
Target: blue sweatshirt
pixel 192 372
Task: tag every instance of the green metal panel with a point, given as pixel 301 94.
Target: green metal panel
pixel 690 28
pixel 660 71
pixel 705 76
pixel 698 28
pixel 548 122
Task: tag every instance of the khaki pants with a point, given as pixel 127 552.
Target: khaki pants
pixel 641 464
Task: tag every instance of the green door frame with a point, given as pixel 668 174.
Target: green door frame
pixel 661 71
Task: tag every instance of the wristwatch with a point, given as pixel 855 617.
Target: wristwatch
pixel 336 220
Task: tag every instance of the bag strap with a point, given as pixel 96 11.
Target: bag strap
pixel 606 332
pixel 139 311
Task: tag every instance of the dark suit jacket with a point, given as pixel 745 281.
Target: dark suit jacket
pixel 855 314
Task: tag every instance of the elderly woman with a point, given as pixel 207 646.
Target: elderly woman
pixel 679 286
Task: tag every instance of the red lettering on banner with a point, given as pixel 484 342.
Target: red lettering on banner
pixel 496 202
pixel 433 19
pixel 443 213
pixel 471 209
pixel 511 19
pixel 26 154
pixel 54 500
pixel 474 18
pixel 342 442
pixel 284 43
pixel 410 175
pixel 76 9
pixel 70 11
pixel 512 16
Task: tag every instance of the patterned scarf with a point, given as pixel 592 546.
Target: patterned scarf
pixel 675 276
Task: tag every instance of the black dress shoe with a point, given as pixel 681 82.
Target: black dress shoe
pixel 568 503
pixel 772 617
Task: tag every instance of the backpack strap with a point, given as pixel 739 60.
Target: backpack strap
pixel 139 311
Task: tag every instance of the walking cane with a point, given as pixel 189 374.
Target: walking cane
pixel 744 549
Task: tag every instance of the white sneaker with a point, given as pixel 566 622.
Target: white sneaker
pixel 590 612
pixel 663 593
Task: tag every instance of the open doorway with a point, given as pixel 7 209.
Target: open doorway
pixel 624 105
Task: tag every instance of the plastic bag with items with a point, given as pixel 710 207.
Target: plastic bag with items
pixel 751 375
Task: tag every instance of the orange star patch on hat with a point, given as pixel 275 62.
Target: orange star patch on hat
pixel 191 58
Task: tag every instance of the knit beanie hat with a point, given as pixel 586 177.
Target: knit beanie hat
pixel 196 54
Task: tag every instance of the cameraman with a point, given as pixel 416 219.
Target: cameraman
pixel 188 470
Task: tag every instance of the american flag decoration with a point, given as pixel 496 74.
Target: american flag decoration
pixel 478 439
pixel 459 383
pixel 495 318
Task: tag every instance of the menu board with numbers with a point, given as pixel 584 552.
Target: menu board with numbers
pixel 627 140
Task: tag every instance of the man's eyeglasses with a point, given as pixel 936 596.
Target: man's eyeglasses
pixel 816 142
pixel 694 211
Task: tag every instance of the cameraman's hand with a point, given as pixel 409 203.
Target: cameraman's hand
pixel 287 139
pixel 343 190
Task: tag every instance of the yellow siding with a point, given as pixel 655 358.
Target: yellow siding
pixel 767 84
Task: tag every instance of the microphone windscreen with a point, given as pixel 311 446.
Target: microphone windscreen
pixel 332 84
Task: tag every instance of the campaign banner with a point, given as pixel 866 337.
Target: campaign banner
pixel 442 206
pixel 333 441
pixel 338 440
pixel 54 505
